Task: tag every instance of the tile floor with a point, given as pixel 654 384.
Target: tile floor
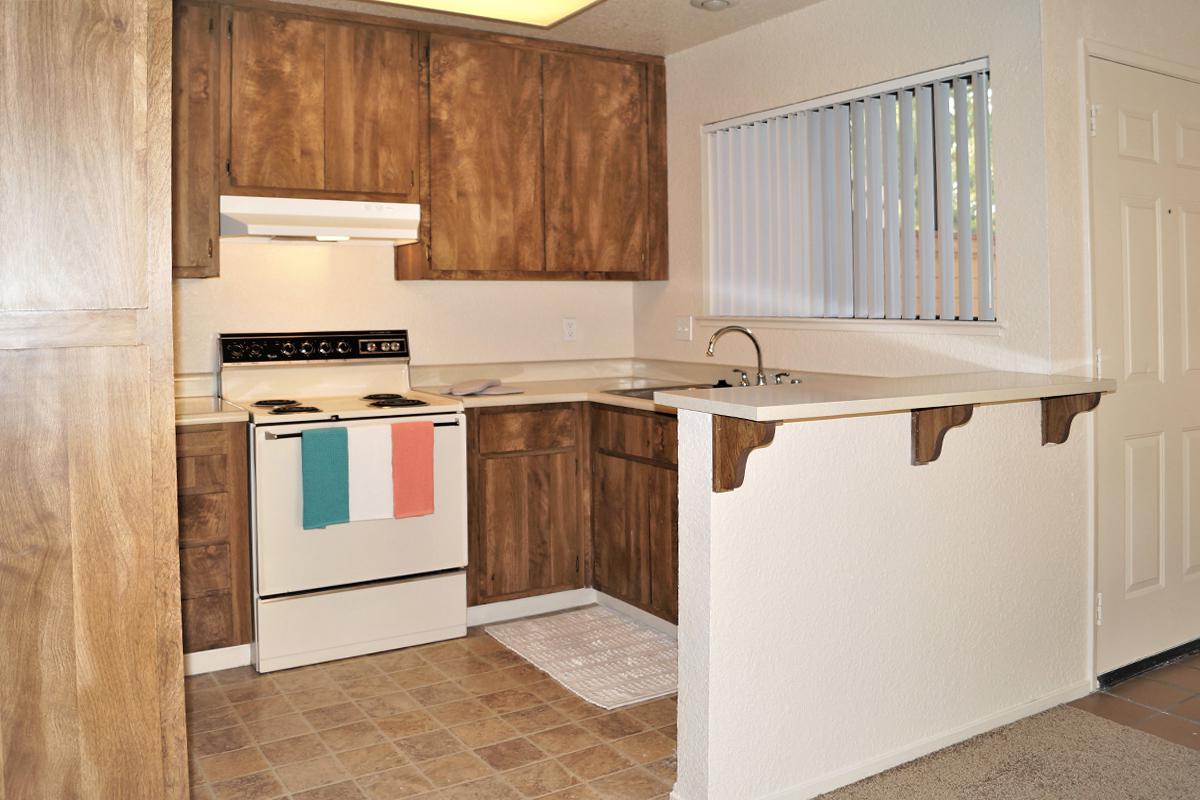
pixel 460 720
pixel 1164 701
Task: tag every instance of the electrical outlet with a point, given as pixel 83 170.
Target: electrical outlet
pixel 569 329
pixel 683 329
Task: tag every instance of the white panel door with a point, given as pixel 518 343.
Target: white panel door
pixel 1145 206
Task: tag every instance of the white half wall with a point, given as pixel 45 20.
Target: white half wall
pixel 268 286
pixel 844 611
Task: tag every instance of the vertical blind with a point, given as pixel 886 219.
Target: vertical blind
pixel 874 205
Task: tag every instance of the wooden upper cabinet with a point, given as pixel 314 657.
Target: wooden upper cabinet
pixel 485 143
pixel 194 176
pixel 596 175
pixel 372 117
pixel 277 101
pixel 322 107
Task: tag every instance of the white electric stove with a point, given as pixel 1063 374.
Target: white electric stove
pixel 356 587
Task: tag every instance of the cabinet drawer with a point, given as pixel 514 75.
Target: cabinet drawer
pixel 201 440
pixel 202 474
pixel 208 623
pixel 635 433
pixel 204 569
pixel 520 430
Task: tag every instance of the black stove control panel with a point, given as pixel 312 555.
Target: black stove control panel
pixel 278 348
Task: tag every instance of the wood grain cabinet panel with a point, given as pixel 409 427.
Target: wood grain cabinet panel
pixel 596 179
pixel 372 118
pixel 277 101
pixel 620 548
pixel 214 535
pixel 524 428
pixel 485 130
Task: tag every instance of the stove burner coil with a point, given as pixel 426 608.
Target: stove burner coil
pixel 276 403
pixel 294 409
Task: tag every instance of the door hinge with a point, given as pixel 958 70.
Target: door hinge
pixel 229 168
pixel 576 565
pixel 229 29
pixel 412 180
pixel 212 24
pixel 210 248
pixel 1099 609
pixel 1093 112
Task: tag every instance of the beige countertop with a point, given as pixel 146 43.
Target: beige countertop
pixel 206 411
pixel 823 395
pixel 570 391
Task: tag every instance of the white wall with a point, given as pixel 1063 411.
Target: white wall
pixel 860 611
pixel 277 286
pixel 1165 29
pixel 837 45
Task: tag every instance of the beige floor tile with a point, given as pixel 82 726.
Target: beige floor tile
pixel 483 644
pixel 670 731
pixel 655 713
pixel 486 789
pixel 397 660
pixel 414 677
pixel 577 709
pixel 333 716
pixel 538 718
pixel 563 739
pixel 1151 693
pixel 508 700
pixel 223 740
pixel 1117 709
pixel 258 786
pixel 443 651
pixel 369 687
pixel 506 658
pixel 525 674
pixel 462 667
pixel 205 699
pixel 346 790
pixel 275 728
pixel 317 698
pixel 438 693
pixel 253 690
pixel 410 723
pixel 200 792
pixel 595 762
pixel 310 774
pixel 488 682
pixel 510 755
pixel 303 679
pixel 1173 729
pixel 664 770
pixel 212 719
pixel 541 778
pixel 632 784
pixel 352 736
pixel 376 758
pixel 484 732
pixel 616 725
pixel 233 764
pixel 580 792
pixel 455 768
pixel 645 747
pixel 193 683
pixel 388 705
pixel 549 691
pixel 434 744
pixel 230 677
pixel 395 784
pixel 1179 675
pixel 299 748
pixel 264 708
pixel 460 711
pixel 1188 708
pixel 352 669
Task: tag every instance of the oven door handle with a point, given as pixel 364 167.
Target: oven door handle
pixel 270 436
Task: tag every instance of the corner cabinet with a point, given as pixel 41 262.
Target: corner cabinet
pixel 214 535
pixel 530 159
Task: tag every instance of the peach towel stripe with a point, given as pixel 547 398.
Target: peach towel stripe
pixel 412 469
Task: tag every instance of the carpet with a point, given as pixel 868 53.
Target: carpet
pixel 1060 754
pixel 606 658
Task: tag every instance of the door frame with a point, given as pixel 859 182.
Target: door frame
pixel 1093 48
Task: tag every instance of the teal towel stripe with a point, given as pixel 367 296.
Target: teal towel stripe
pixel 325 467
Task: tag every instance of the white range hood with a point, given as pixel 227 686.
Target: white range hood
pixel 322 220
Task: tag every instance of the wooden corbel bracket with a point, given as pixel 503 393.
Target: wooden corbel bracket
pixel 1059 412
pixel 929 428
pixel 733 440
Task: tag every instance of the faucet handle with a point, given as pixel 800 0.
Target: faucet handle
pixel 779 376
pixel 743 377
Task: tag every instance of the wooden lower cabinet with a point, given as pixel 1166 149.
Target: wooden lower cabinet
pixel 214 535
pixel 527 486
pixel 635 508
pixel 564 496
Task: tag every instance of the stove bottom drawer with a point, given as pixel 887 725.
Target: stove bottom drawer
pixel 324 626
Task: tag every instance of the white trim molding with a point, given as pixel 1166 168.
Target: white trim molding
pixel 529 606
pixel 203 661
pixel 643 618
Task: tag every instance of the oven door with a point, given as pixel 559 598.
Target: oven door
pixel 291 559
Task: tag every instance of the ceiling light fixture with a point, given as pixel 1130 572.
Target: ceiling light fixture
pixel 540 13
pixel 713 5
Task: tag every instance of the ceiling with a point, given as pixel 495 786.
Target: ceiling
pixel 657 27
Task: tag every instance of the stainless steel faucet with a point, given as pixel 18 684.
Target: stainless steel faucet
pixel 761 378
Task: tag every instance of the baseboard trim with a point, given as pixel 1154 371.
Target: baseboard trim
pixel 203 661
pixel 923 747
pixel 506 610
pixel 637 614
pixel 1113 677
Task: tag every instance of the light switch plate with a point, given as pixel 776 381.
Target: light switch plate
pixel 683 329
pixel 569 329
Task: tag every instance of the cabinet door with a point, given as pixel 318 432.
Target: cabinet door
pixel 619 538
pixel 662 526
pixel 195 77
pixel 595 135
pixel 485 148
pixel 372 110
pixel 530 529
pixel 277 101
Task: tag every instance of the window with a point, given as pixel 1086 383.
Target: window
pixel 874 204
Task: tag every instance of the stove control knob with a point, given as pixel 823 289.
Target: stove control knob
pixel 306 348
pixel 256 351
pixel 288 349
pixel 325 347
pixel 370 347
pixel 236 351
pixel 343 347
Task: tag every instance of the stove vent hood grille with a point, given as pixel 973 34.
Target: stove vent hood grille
pixel 322 220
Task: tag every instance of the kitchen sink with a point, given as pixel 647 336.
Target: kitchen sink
pixel 647 392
